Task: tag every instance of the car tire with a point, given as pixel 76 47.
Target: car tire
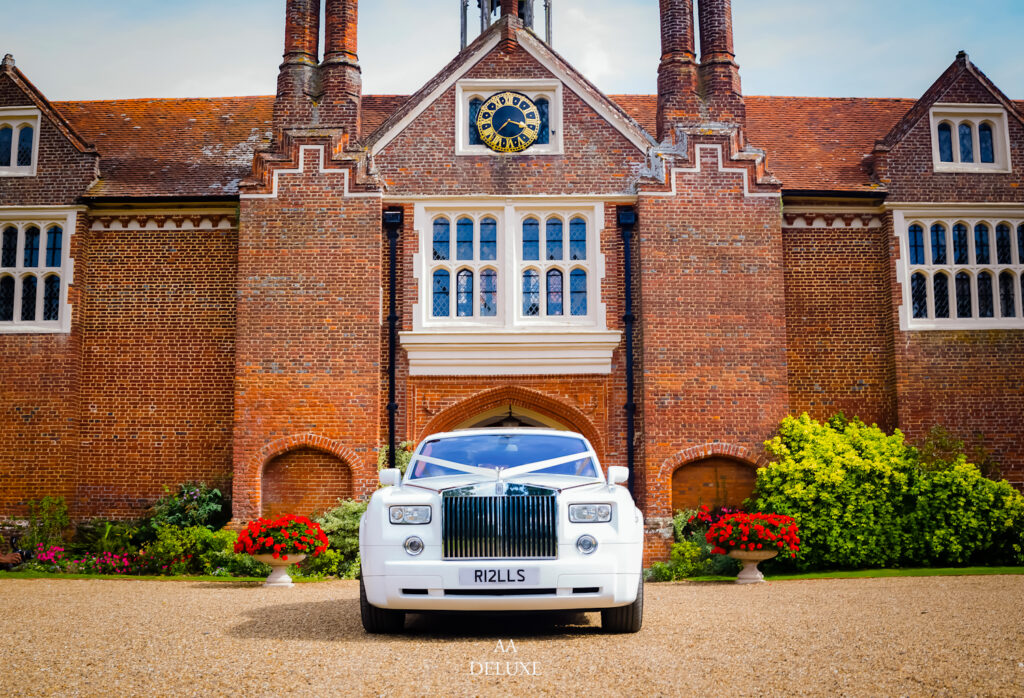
pixel 625 619
pixel 379 620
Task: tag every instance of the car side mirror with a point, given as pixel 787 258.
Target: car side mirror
pixel 617 474
pixel 390 477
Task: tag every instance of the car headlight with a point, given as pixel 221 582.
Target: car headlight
pixel 409 514
pixel 590 513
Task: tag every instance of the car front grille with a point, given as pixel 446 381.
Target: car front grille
pixel 516 527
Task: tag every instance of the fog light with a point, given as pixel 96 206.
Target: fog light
pixel 586 544
pixel 414 546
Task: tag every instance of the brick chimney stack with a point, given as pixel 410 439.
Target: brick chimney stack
pixel 678 101
pixel 510 7
pixel 340 76
pixel 719 73
pixel 296 80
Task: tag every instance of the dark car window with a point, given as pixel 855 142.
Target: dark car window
pixel 494 451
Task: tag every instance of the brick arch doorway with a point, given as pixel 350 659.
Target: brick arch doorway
pixel 716 481
pixel 303 481
pixel 511 416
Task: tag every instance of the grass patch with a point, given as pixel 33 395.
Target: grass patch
pixel 145 578
pixel 870 574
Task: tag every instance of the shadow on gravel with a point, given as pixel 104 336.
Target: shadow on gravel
pixel 339 621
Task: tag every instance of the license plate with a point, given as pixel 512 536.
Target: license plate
pixel 499 576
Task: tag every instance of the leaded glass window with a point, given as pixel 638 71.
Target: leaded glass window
pixel 963 294
pixel 553 239
pixel 28 298
pixel 960 244
pixel 441 292
pixel 474 111
pixel 6 298
pixel 531 239
pixel 940 286
pixel 488 239
pixel 53 246
pixel 544 135
pixel 25 146
pixel 919 295
pixel 488 293
pixel 32 247
pixel 1003 253
pixel 9 255
pixel 981 255
pixel 985 303
pixel 51 298
pixel 1007 302
pixel 531 293
pixel 442 233
pixel 554 292
pixel 577 239
pixel 6 139
pixel 1020 243
pixel 464 234
pixel 938 244
pixel 578 292
pixel 916 240
pixel 966 143
pixel 985 149
pixel 464 302
pixel 945 143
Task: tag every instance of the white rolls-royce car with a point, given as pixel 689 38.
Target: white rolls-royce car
pixel 502 520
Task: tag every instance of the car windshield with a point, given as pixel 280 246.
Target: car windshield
pixel 482 453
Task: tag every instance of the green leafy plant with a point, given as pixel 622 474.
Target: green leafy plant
pixel 194 504
pixel 47 522
pixel 341 525
pixel 403 455
pixel 103 536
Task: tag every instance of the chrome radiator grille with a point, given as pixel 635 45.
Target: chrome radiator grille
pixel 521 527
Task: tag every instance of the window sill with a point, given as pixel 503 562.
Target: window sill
pixel 948 167
pixel 516 353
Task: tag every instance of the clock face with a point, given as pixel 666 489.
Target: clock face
pixel 508 122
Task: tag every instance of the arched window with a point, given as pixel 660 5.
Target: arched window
pixel 464 235
pixel 464 302
pixel 985 145
pixel 553 239
pixel 488 293
pixel 531 293
pixel 916 241
pixel 440 301
pixel 9 253
pixel 32 247
pixel 960 244
pixel 577 239
pixel 554 292
pixel 963 295
pixel 6 298
pixel 531 239
pixel 53 246
pixel 442 232
pixel 938 244
pixel 578 292
pixel 985 302
pixel 544 135
pixel 919 295
pixel 488 239
pixel 1003 255
pixel 51 298
pixel 28 298
pixel 1007 302
pixel 25 146
pixel 981 255
pixel 945 142
pixel 474 111
pixel 966 143
pixel 940 287
pixel 6 139
pixel 1020 243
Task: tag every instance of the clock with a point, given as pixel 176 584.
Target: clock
pixel 508 122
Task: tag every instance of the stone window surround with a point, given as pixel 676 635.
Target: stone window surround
pixel 16 117
pixel 466 90
pixel 975 115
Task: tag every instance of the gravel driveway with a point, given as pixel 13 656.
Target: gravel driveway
pixel 897 636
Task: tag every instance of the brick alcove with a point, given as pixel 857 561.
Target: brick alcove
pixel 715 481
pixel 303 481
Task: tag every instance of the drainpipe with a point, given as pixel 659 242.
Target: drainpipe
pixel 393 225
pixel 627 220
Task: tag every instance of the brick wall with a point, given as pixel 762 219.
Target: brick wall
pixel 713 482
pixel 304 481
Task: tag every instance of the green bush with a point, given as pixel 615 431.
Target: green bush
pixel 403 455
pixel 192 550
pixel 103 536
pixel 690 555
pixel 47 522
pixel 863 498
pixel 341 525
pixel 194 504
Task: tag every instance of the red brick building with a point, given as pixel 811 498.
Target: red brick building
pixel 201 288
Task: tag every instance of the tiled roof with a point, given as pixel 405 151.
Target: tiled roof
pixel 204 147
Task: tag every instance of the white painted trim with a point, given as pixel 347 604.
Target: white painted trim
pixel 302 168
pixel 696 168
pixel 481 197
pixel 517 353
pixel 13 116
pixel 434 94
pixel 918 208
pixel 550 89
pixel 974 114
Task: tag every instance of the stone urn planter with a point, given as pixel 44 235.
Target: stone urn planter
pixel 279 573
pixel 749 574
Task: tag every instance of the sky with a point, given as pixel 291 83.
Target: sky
pixel 108 49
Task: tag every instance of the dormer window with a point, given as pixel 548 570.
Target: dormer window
pixel 970 138
pixel 19 141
